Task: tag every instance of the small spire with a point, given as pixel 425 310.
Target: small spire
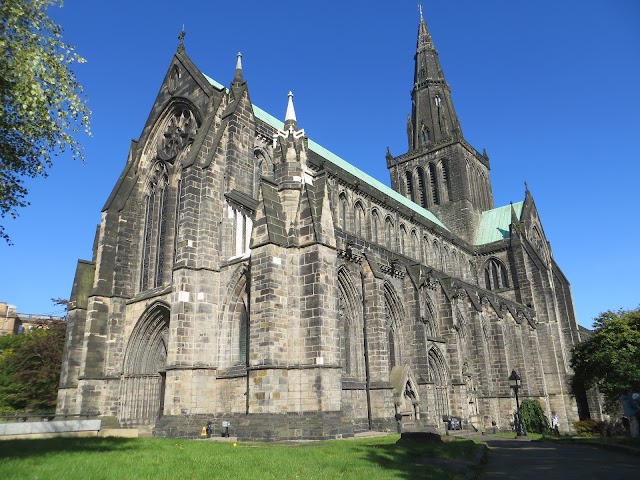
pixel 181 39
pixel 237 78
pixel 290 116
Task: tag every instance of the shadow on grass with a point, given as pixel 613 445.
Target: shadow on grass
pixel 17 449
pixel 425 459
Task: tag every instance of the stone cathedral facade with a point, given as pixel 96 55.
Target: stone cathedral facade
pixel 243 273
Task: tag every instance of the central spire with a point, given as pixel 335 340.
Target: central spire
pixel 433 117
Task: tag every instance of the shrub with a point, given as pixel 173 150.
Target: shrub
pixel 533 417
pixel 606 428
pixel 585 428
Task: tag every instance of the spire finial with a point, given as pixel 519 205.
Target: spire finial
pixel 420 8
pixel 291 113
pixel 237 77
pixel 526 186
pixel 181 39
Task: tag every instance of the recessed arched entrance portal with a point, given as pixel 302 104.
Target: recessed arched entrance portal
pixel 143 378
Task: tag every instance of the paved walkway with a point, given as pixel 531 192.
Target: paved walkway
pixel 520 459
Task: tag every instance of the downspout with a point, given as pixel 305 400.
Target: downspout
pixel 366 354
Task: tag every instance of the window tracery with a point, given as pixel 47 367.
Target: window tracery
pixel 495 275
pixel 179 131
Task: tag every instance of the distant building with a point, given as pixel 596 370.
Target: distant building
pixel 244 273
pixel 12 322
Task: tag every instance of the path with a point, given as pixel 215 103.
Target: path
pixel 524 460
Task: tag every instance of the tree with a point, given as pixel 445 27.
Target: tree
pixel 610 359
pixel 533 417
pixel 42 103
pixel 30 369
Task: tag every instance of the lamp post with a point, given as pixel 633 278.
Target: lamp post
pixel 515 382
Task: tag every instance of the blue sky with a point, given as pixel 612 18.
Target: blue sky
pixel 549 88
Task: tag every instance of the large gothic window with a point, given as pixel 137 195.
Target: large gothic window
pixel 350 324
pixel 155 228
pixel 495 275
pixel 394 313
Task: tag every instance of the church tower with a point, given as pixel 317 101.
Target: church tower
pixel 440 171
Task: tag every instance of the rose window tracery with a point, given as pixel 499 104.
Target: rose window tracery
pixel 180 131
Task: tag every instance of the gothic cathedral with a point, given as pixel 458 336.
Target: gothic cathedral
pixel 243 273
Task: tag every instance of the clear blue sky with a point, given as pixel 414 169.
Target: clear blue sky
pixel 550 88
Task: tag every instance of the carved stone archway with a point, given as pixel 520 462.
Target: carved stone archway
pixel 143 378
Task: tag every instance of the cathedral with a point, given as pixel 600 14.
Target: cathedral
pixel 242 273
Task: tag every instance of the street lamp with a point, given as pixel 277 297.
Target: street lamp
pixel 515 382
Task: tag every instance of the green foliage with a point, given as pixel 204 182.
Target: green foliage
pixel 30 370
pixel 610 359
pixel 592 428
pixel 42 104
pixel 533 417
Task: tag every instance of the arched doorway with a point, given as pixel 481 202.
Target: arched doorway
pixel 143 378
pixel 439 379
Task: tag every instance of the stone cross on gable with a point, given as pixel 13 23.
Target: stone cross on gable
pixel 181 38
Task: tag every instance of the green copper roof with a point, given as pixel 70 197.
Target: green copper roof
pixel 494 224
pixel 344 165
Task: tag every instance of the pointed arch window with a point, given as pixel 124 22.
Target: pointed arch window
pixel 445 260
pixel 342 211
pixel 495 275
pixel 403 240
pixel 433 183
pixel 409 185
pixel 243 336
pixel 425 137
pixel 421 192
pixel 155 228
pixel 446 180
pixel 375 225
pixel 414 245
pixel 394 313
pixel 389 233
pixel 392 348
pixel 359 219
pixel 425 250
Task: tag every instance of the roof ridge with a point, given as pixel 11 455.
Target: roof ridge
pixel 343 164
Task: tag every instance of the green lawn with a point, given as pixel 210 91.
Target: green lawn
pixel 101 458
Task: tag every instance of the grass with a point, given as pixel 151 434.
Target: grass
pixel 109 458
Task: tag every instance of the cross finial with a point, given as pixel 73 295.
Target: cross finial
pixel 420 8
pixel 182 35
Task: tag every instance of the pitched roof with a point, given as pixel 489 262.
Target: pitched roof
pixel 344 165
pixel 494 224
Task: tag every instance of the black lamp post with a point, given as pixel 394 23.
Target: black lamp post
pixel 515 382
